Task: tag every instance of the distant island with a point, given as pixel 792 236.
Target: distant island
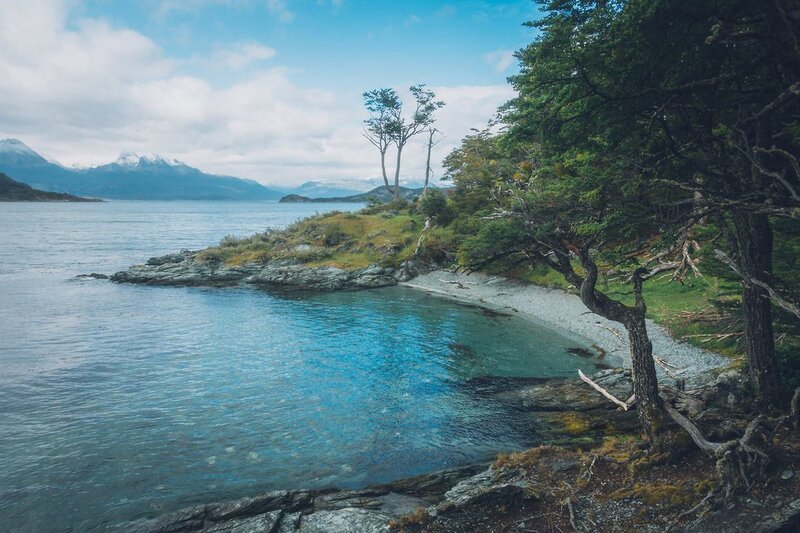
pixel 381 194
pixel 14 191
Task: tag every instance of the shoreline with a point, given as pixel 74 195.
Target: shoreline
pixel 470 487
pixel 564 312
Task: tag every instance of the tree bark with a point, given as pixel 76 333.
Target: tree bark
pixel 754 240
pixel 397 172
pixel 645 381
pixel 428 164
pixel 383 171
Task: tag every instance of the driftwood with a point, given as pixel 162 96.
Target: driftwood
pixel 603 391
pixel 613 331
pixel 422 235
pixel 668 368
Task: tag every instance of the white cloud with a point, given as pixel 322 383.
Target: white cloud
pixel 280 10
pixel 243 54
pixel 86 91
pixel 500 59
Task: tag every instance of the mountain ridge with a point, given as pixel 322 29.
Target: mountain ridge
pixel 130 177
pixel 12 190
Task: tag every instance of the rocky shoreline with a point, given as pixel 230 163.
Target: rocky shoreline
pixel 492 496
pixel 185 268
pixel 565 411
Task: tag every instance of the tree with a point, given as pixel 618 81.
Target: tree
pixel 381 103
pixel 565 213
pixel 431 132
pixel 696 97
pixel 404 128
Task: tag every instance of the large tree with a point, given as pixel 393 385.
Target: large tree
pixel 700 96
pixel 572 213
pixel 378 128
pixel 403 127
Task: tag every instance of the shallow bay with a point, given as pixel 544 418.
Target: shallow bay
pixel 120 401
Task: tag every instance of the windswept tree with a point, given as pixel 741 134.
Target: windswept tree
pixel 428 170
pixel 570 214
pixel 403 128
pixel 702 97
pixel 378 128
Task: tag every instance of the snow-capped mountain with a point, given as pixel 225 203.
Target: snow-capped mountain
pixel 131 177
pixel 132 159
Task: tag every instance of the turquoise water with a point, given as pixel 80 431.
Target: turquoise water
pixel 119 402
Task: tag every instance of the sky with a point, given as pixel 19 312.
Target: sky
pixel 269 90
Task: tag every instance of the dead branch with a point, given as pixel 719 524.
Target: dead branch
pixel 603 391
pixel 573 522
pixel 773 294
pixel 422 236
pixel 691 511
pixel 794 409
pixel 667 368
pixel 612 330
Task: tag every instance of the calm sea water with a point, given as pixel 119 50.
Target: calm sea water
pixel 119 402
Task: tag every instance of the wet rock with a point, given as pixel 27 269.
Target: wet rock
pixel 255 524
pixel 348 520
pixel 185 269
pixel 93 275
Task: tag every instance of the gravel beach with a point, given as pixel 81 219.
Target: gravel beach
pixel 565 312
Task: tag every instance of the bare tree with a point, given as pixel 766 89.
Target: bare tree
pixel 431 132
pixel 404 128
pixel 382 104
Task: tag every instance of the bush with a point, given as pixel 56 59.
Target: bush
pixel 433 204
pixel 334 235
pixel 230 241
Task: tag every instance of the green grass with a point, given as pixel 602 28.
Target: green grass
pixel 343 240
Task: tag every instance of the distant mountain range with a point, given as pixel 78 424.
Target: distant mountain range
pixel 153 177
pixel 14 191
pixel 130 177
pixel 378 193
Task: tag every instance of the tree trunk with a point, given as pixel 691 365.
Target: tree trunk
pixel 645 381
pixel 397 172
pixel 383 171
pixel 754 239
pixel 428 164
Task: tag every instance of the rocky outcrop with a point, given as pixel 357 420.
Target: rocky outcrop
pixel 185 268
pixel 359 511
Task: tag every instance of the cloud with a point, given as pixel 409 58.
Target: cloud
pixel 501 60
pixel 412 20
pixel 243 54
pixel 280 10
pixel 86 90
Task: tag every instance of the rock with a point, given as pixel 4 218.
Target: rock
pixel 787 474
pixel 348 520
pixel 256 524
pixel 484 487
pixel 184 268
pixel 169 258
pixel 93 275
pixel 787 519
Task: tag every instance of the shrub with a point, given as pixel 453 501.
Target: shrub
pixel 229 241
pixel 433 204
pixel 334 235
